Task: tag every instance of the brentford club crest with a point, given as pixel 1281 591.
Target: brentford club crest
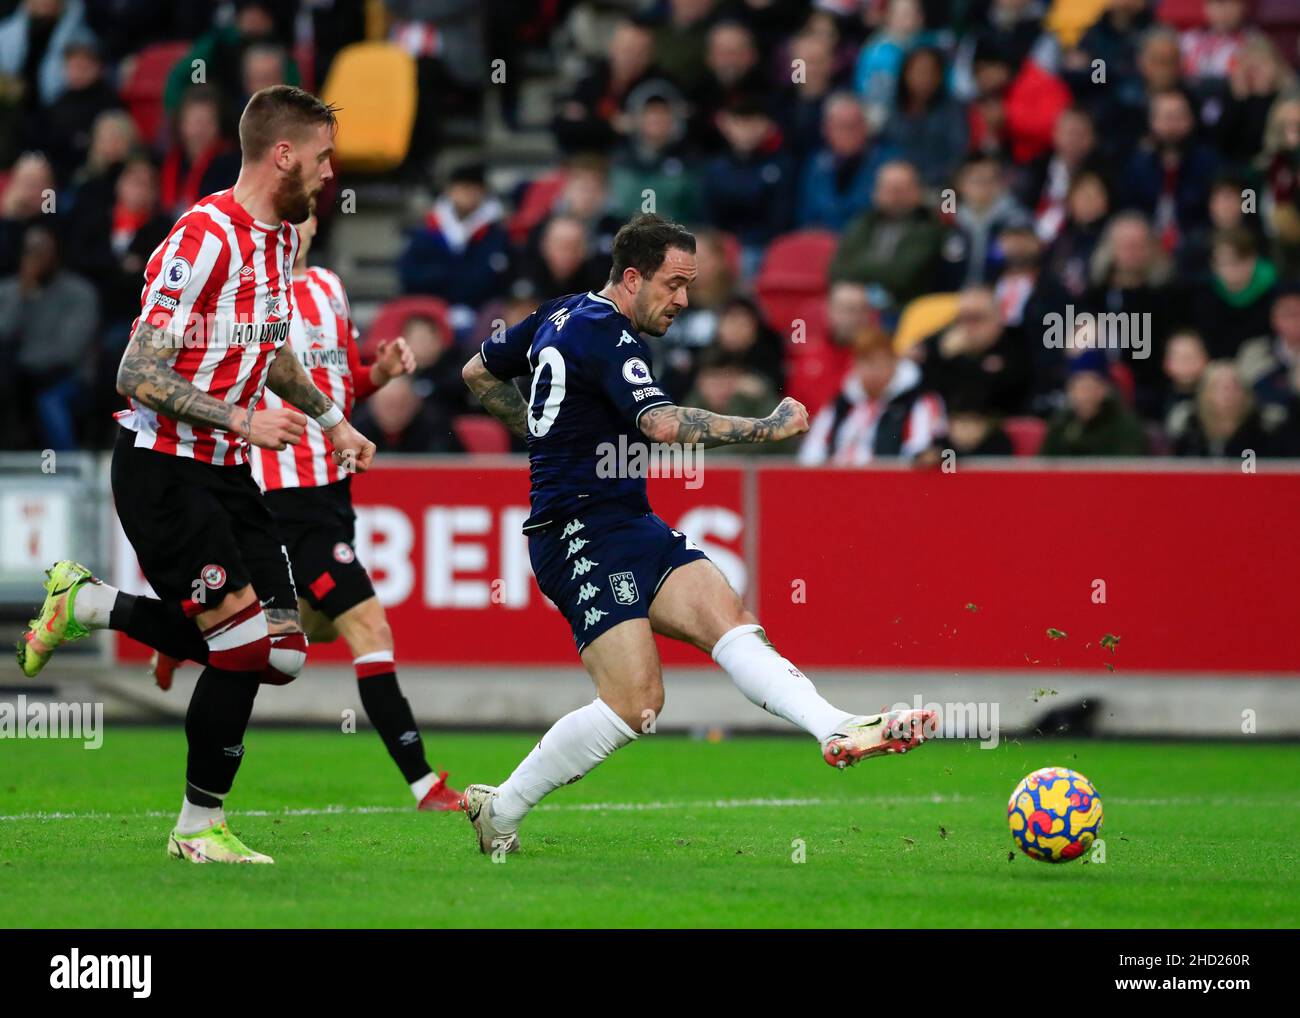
pixel 213 576
pixel 344 553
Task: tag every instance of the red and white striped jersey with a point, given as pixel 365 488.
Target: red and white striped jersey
pixel 323 339
pixel 219 286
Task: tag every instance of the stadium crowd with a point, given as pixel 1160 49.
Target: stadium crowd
pixel 990 226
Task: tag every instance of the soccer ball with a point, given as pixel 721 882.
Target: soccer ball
pixel 1054 814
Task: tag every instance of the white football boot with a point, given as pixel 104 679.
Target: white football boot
pixel 476 801
pixel 867 735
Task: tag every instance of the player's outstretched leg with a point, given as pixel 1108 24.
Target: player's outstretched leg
pixel 77 603
pixel 624 664
pixel 364 627
pixel 697 605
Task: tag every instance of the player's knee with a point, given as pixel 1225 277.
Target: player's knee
pixel 240 642
pixel 287 656
pixel 638 700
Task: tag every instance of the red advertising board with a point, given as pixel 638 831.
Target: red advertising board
pixel 1191 571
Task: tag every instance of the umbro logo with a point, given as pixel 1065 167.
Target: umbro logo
pixel 246 271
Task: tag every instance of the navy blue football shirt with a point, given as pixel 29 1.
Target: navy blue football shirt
pixel 590 382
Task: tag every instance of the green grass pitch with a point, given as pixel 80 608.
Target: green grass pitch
pixel 669 832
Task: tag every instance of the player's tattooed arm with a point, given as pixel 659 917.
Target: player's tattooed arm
pixel 289 380
pixel 282 620
pixel 499 398
pixel 692 426
pixel 146 375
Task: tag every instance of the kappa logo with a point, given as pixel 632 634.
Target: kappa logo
pixel 571 528
pixel 625 338
pixel 592 616
pixel 577 544
pixel 636 371
pixel 343 553
pixel 624 587
pixel 176 274
pixel 582 567
pixel 587 591
pixel 213 576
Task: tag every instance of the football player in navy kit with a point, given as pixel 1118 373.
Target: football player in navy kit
pixel 617 572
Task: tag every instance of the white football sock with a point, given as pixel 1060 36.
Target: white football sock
pixel 198 818
pixel 421 788
pixel 92 605
pixel 773 683
pixel 574 745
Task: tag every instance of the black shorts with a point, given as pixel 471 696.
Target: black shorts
pixel 200 531
pixel 319 526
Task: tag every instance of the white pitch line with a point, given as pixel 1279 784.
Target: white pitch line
pixel 637 807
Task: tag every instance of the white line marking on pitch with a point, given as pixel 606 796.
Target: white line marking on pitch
pixel 637 807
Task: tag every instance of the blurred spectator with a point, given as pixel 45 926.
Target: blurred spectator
pixel 732 76
pixel 1087 207
pixel 202 159
pixel 67 123
pixel 562 264
pixel 724 384
pixel 882 410
pixel 1044 185
pixel 585 197
pixel 32 43
pixel 397 420
pixel 1185 362
pixel 696 326
pixel 849 313
pixel 985 207
pixel 1255 80
pixel 748 190
pixel 1267 362
pixel 880 61
pixel 972 430
pixel 28 196
pixel 681 41
pixel 48 317
pixel 263 65
pixel 1131 276
pixel 1235 306
pixel 1111 45
pixel 1013 28
pixel 978 352
pixel 1227 197
pixel 438 364
pixel 113 137
pixel 745 335
pixel 654 161
pixel 594 116
pixel 1226 422
pixel 896 245
pixel 1209 53
pixel 926 127
pixel 1169 175
pixel 1094 422
pixel 1280 162
pixel 217 57
pixel 804 101
pixel 461 251
pixel 838 181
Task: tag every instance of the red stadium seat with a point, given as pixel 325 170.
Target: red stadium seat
pixel 390 321
pixel 1182 13
pixel 535 205
pixel 731 252
pixel 146 78
pixel 795 267
pixel 481 433
pixel 1026 434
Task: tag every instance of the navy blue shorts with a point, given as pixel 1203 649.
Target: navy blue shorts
pixel 605 567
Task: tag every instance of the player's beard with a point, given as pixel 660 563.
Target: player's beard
pixel 652 320
pixel 291 198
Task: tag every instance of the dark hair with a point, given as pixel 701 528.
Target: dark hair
pixel 903 95
pixel 277 111
pixel 1239 239
pixel 643 242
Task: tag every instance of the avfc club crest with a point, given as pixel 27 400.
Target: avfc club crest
pixel 623 586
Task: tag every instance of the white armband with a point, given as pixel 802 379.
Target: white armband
pixel 330 418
